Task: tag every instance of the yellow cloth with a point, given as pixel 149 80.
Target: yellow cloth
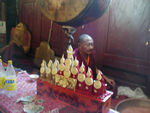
pixel 20 36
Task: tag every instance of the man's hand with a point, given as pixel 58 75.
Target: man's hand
pixel 111 82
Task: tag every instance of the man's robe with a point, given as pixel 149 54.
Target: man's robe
pixel 81 59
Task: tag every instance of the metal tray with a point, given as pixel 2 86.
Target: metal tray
pixel 134 106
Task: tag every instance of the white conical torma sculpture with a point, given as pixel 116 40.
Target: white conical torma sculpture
pixel 70 53
pixel 67 72
pixel 81 75
pixel 97 82
pixel 54 70
pixel 43 69
pixel 61 67
pixel 49 69
pixel 74 69
pixel 88 80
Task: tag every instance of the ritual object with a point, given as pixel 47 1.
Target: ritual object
pixel 73 12
pixel 74 86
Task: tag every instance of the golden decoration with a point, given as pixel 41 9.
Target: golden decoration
pixel 60 83
pixel 74 70
pixel 70 49
pixel 50 63
pixel 86 88
pixel 68 62
pixel 61 67
pixel 64 83
pixel 89 72
pixel 95 91
pixel 89 81
pixel 62 59
pixel 56 63
pixel 54 71
pixel 48 71
pixel 97 84
pixel 67 68
pixel 57 78
pixel 82 68
pixel 72 83
pixel 99 76
pixel 76 62
pixel 81 77
pixel 42 70
pixel 43 64
pixel 67 73
pixel 69 54
pixel 47 75
pixel 53 77
pixel 79 85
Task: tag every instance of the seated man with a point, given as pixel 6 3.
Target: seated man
pixel 84 53
pixel 16 49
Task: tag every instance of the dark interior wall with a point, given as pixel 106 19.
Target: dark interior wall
pixel 1 10
pixel 126 55
pixel 120 37
pixel 11 16
pixel 2 18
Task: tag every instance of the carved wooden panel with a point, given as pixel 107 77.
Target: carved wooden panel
pixel 126 50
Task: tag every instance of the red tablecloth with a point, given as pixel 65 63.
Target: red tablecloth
pixel 26 88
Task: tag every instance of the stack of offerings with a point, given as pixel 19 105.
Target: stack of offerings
pixel 8 83
pixel 68 74
pixel 72 85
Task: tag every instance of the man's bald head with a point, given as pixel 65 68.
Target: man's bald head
pixel 85 44
pixel 84 37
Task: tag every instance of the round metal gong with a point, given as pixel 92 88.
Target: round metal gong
pixel 73 12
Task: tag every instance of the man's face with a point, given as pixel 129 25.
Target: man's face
pixel 87 45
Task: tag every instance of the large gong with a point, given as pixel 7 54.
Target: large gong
pixel 73 12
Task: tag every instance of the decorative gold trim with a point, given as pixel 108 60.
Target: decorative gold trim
pixel 74 70
pixel 89 81
pixel 81 77
pixel 97 84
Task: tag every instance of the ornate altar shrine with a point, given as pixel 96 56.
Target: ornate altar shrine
pixel 73 85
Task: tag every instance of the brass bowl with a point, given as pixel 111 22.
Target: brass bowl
pixel 134 106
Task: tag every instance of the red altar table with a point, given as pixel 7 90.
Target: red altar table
pixel 83 103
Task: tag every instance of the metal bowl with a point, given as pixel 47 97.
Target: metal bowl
pixel 134 106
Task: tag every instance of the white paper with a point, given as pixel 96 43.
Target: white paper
pixel 2 27
pixel 137 93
